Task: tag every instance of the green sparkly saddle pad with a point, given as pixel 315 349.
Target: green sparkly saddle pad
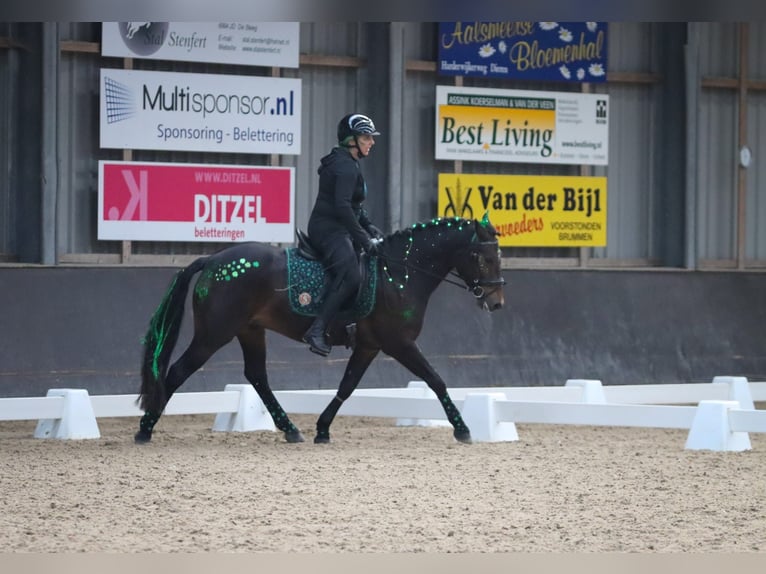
pixel 306 281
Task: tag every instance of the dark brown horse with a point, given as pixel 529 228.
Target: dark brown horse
pixel 245 289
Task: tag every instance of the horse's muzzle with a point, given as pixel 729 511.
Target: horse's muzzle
pixel 492 300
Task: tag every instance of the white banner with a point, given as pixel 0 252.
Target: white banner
pixel 249 43
pixel 200 112
pixel 484 124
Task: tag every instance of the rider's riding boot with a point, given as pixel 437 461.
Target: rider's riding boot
pixel 315 337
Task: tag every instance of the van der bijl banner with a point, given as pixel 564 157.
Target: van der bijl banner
pixel 530 210
pixel 484 124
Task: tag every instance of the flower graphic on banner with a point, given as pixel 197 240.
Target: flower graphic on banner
pixel 565 35
pixel 596 69
pixel 592 26
pixel 502 46
pixel 580 74
pixel 565 72
pixel 548 25
pixel 486 51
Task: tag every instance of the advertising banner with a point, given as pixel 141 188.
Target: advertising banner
pixel 195 202
pixel 558 51
pixel 249 43
pixel 200 112
pixel 530 210
pixel 485 124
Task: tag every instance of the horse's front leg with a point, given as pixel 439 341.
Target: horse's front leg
pixel 356 367
pixel 409 356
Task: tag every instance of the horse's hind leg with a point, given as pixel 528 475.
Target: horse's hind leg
pixel 253 343
pixel 188 363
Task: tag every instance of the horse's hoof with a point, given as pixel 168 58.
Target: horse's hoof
pixel 142 437
pixel 294 436
pixel 463 436
pixel 321 439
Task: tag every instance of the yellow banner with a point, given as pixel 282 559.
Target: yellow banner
pixel 530 210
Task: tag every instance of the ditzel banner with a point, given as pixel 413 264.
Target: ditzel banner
pixel 154 201
pixel 530 210
pixel 556 51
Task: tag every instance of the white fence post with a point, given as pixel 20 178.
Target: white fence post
pixel 480 415
pixel 711 430
pixel 592 390
pixel 739 390
pixel 77 420
pixel 251 413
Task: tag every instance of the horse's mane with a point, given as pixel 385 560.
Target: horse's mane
pixel 483 228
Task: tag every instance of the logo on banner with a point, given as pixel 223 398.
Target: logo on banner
pixel 601 111
pixel 119 101
pixel 143 38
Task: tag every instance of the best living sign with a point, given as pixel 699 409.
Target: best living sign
pixel 195 202
pixel 484 124
pixel 530 211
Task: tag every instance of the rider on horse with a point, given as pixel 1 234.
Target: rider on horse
pixel 338 224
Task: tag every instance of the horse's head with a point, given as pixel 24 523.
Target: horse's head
pixel 478 264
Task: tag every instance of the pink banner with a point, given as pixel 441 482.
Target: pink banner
pixel 195 202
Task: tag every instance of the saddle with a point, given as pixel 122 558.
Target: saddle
pixel 308 282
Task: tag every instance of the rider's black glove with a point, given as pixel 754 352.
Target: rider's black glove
pixel 375 232
pixel 371 248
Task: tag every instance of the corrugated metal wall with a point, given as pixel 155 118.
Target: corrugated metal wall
pixel 716 232
pixel 8 73
pixel 346 66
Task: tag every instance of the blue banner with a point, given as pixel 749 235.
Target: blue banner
pixel 559 51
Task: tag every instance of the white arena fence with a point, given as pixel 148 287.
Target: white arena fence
pixel 718 415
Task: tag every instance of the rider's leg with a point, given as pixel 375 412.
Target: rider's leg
pixel 341 261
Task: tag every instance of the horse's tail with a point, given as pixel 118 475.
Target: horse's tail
pixel 161 338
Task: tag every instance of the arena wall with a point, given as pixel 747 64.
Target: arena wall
pixel 75 327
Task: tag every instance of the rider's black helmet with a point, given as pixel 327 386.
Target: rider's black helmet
pixel 355 125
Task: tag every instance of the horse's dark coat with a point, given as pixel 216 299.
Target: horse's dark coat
pixel 243 290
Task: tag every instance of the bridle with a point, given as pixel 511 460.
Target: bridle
pixel 474 286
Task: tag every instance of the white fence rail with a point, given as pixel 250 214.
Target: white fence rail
pixel 718 415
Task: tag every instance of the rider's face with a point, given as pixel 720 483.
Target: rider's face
pixel 366 142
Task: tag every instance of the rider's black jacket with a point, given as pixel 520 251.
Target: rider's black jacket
pixel 338 208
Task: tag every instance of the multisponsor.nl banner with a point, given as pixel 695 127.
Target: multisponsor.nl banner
pixel 485 124
pixel 199 112
pixel 530 210
pixel 195 202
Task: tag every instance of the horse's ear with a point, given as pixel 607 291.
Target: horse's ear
pixel 485 220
